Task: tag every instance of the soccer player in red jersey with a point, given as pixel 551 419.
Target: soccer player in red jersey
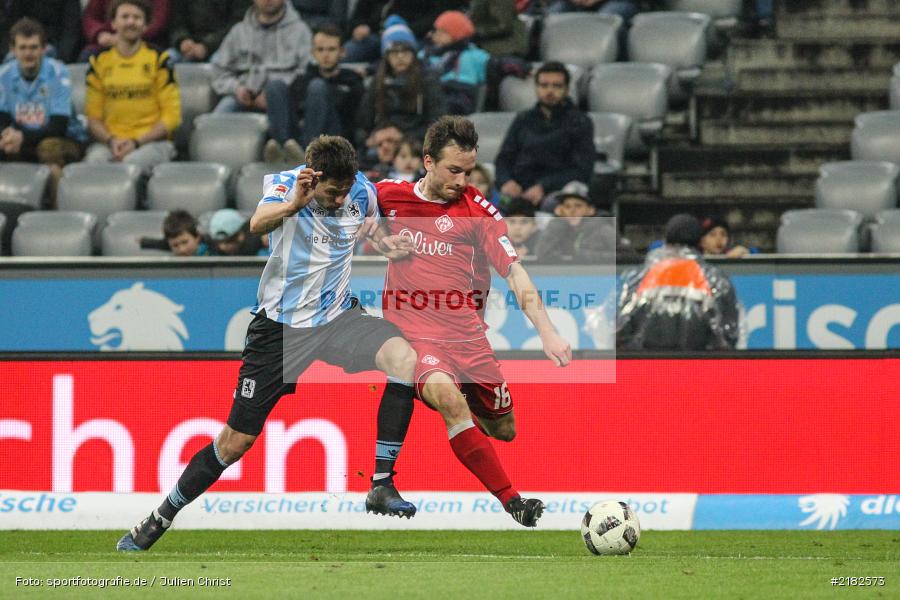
pixel 436 297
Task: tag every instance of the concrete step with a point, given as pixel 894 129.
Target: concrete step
pixel 814 53
pixel 717 186
pixel 789 106
pixel 793 8
pixel 829 80
pixel 747 160
pixel 848 25
pixel 727 133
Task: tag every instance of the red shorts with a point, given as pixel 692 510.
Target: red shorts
pixel 474 368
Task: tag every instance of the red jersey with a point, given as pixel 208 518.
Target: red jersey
pixel 439 292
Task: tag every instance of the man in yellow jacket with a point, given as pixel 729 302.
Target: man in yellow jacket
pixel 132 101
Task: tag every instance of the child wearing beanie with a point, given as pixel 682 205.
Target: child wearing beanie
pixel 461 65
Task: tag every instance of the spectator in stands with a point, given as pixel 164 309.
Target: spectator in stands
pixel 61 20
pixel 403 92
pixel 481 178
pixel 255 66
pixel 546 146
pixel 199 26
pixel 100 34
pixel 460 64
pixel 762 22
pixel 230 235
pixel 37 120
pixel 577 233
pixel 676 300
pixel 408 161
pixel 626 9
pixel 327 96
pixel 364 44
pixel 498 29
pixel 716 240
pixel 180 236
pixel 522 228
pixel 378 160
pixel 132 101
pixel 318 13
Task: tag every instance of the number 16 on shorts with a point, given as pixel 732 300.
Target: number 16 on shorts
pixel 502 398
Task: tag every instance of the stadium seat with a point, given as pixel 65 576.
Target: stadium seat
pixel 611 132
pixel 23 182
pixel 676 39
pixel 78 75
pixel 124 229
pixel 517 94
pixel 725 14
pixel 886 232
pixel 230 139
pixel 54 233
pixel 248 191
pixel 197 97
pixel 876 136
pixel 100 189
pixel 819 231
pixel 867 187
pixel 491 128
pixel 196 187
pixel 894 92
pixel 581 39
pixel 639 90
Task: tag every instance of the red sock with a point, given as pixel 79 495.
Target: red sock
pixel 477 454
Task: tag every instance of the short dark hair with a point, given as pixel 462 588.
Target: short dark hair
pixel 329 29
pixel 450 129
pixel 520 208
pixel 26 27
pixel 334 156
pixel 178 222
pixel 143 5
pixel 552 66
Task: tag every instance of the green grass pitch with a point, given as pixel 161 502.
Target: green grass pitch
pixel 456 564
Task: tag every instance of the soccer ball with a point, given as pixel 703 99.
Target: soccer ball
pixel 610 527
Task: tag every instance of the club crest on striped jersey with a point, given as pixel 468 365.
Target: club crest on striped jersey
pixel 353 210
pixel 280 190
pixel 444 223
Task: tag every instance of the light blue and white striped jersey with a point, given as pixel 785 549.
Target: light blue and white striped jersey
pixel 306 281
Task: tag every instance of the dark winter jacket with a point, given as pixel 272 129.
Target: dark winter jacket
pixel 429 106
pixel 205 21
pixel 551 151
pixel 498 29
pixel 346 91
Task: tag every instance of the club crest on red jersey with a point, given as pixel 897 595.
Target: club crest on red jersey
pixel 444 223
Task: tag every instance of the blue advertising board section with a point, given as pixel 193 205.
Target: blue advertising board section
pixel 813 511
pixel 115 305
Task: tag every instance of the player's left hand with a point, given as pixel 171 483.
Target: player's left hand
pixel 557 349
pixel 395 247
pixel 368 229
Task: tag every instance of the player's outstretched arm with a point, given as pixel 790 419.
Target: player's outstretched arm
pixel 269 216
pixel 393 247
pixel 556 347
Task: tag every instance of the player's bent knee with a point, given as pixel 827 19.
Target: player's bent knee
pixel 397 358
pixel 232 445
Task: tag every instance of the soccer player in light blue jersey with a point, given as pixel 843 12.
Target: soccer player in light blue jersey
pixel 305 312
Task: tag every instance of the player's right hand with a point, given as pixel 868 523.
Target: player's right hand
pixel 304 188
pixel 395 247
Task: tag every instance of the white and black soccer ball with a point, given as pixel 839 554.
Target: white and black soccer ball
pixel 610 527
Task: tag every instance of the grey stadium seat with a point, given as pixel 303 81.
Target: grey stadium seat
pixel 886 232
pixel 580 38
pixel 124 229
pixel 248 191
pixel 78 74
pixel 518 94
pixel 725 14
pixel 100 189
pixel 54 233
pixel 894 92
pixel 25 182
pixel 867 187
pixel 819 231
pixel 229 139
pixel 193 186
pixel 876 136
pixel 676 39
pixel 491 128
pixel 611 131
pixel 197 97
pixel 639 90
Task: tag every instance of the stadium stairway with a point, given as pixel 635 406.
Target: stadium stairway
pixel 770 113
